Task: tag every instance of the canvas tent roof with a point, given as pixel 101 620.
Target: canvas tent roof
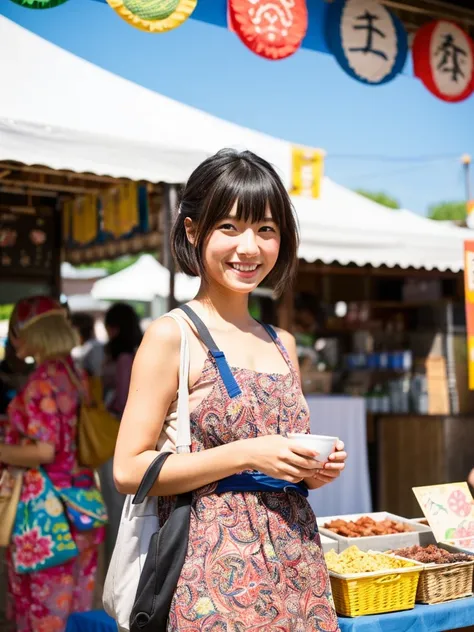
pixel 143 281
pixel 101 123
pixel 345 227
pixel 69 272
pixel 66 113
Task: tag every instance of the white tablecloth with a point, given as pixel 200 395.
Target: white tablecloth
pixel 343 417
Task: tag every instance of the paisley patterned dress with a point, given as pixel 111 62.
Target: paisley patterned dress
pixel 254 559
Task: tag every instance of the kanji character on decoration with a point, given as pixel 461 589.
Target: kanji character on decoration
pixel 155 16
pixel 443 58
pixel 367 40
pixel 273 29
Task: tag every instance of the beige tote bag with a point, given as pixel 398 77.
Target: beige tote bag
pixel 139 522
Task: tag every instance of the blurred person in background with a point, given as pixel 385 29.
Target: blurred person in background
pixel 14 371
pixel 41 432
pixel 89 355
pixel 13 375
pixel 124 333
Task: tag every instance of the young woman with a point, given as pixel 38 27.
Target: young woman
pixel 41 431
pixel 254 559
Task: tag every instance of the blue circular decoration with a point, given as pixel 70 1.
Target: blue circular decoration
pixel 368 41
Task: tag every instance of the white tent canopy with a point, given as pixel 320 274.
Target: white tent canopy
pixel 144 280
pixel 345 227
pixel 61 111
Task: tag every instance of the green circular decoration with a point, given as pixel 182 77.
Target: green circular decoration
pixel 39 4
pixel 157 9
pixel 151 9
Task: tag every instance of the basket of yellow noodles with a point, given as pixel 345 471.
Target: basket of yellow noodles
pixel 366 582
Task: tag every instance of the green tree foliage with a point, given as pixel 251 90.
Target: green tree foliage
pixel 114 265
pixel 448 211
pixel 380 198
pixel 6 311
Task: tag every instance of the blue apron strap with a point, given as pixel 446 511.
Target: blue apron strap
pixel 258 482
pixel 233 389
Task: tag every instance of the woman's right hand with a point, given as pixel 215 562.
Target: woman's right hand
pixel 279 457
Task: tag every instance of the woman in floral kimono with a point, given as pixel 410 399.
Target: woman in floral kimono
pixel 41 431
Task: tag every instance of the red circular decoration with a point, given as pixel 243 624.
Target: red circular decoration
pixel 443 58
pixel 273 29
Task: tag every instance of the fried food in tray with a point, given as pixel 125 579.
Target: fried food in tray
pixel 366 526
pixel 432 554
pixel 353 561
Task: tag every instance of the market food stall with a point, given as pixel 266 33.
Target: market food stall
pixel 378 314
pixel 388 572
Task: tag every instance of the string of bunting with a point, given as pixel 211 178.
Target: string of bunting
pixel 367 39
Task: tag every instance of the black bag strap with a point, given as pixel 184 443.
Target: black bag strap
pixel 202 330
pixel 233 389
pixel 164 561
pixel 150 477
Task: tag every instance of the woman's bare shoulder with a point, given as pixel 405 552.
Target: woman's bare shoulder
pixel 286 337
pixel 163 336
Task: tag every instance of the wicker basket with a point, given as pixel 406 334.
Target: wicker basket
pixel 377 592
pixel 445 582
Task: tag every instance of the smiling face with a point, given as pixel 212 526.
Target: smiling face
pixel 236 224
pixel 240 253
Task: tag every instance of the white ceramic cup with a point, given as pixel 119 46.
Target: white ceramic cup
pixel 321 444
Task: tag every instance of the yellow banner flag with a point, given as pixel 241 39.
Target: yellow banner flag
pixel 120 209
pixel 469 301
pixel 84 219
pixel 307 171
pixel 68 210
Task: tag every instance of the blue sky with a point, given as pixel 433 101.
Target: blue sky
pixel 305 99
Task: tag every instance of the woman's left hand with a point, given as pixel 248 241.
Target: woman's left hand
pixel 331 470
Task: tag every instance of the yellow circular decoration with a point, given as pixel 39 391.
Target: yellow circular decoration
pixel 181 13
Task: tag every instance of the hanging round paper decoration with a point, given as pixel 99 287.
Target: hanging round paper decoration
pixel 443 58
pixel 155 16
pixel 273 29
pixel 39 4
pixel 367 40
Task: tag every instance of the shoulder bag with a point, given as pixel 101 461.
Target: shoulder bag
pixel 147 560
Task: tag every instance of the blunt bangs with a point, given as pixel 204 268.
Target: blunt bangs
pixel 227 178
pixel 255 192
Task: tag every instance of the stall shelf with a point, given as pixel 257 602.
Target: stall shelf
pixel 457 615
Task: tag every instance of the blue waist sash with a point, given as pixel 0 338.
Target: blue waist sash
pixel 258 482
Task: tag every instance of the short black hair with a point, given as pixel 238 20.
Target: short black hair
pixel 84 323
pixel 124 318
pixel 209 195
